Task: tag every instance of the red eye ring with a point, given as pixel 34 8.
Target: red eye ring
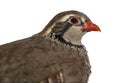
pixel 74 20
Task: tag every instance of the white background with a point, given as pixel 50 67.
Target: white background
pixel 22 18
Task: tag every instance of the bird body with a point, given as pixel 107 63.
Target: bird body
pixel 55 55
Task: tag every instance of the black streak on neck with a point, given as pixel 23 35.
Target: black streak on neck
pixel 62 40
pixel 59 36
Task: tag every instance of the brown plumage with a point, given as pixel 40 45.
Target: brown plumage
pixel 44 58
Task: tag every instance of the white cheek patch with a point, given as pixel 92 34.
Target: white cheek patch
pixel 74 35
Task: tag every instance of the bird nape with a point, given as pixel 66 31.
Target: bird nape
pixel 55 55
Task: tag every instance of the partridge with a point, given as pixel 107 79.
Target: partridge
pixel 55 55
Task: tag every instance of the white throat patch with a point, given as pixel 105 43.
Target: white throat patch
pixel 74 35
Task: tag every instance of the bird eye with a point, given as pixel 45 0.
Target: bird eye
pixel 74 20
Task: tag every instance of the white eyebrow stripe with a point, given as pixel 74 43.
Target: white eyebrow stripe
pixel 83 19
pixel 66 17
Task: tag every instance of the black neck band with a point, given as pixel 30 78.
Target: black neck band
pixel 62 40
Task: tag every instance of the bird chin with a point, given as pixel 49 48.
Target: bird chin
pixel 84 31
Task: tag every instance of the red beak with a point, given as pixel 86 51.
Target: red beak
pixel 91 27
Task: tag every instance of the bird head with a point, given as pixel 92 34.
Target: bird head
pixel 69 27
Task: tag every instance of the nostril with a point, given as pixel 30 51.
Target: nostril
pixel 89 23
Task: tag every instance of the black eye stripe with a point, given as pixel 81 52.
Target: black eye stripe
pixel 82 23
pixel 61 27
